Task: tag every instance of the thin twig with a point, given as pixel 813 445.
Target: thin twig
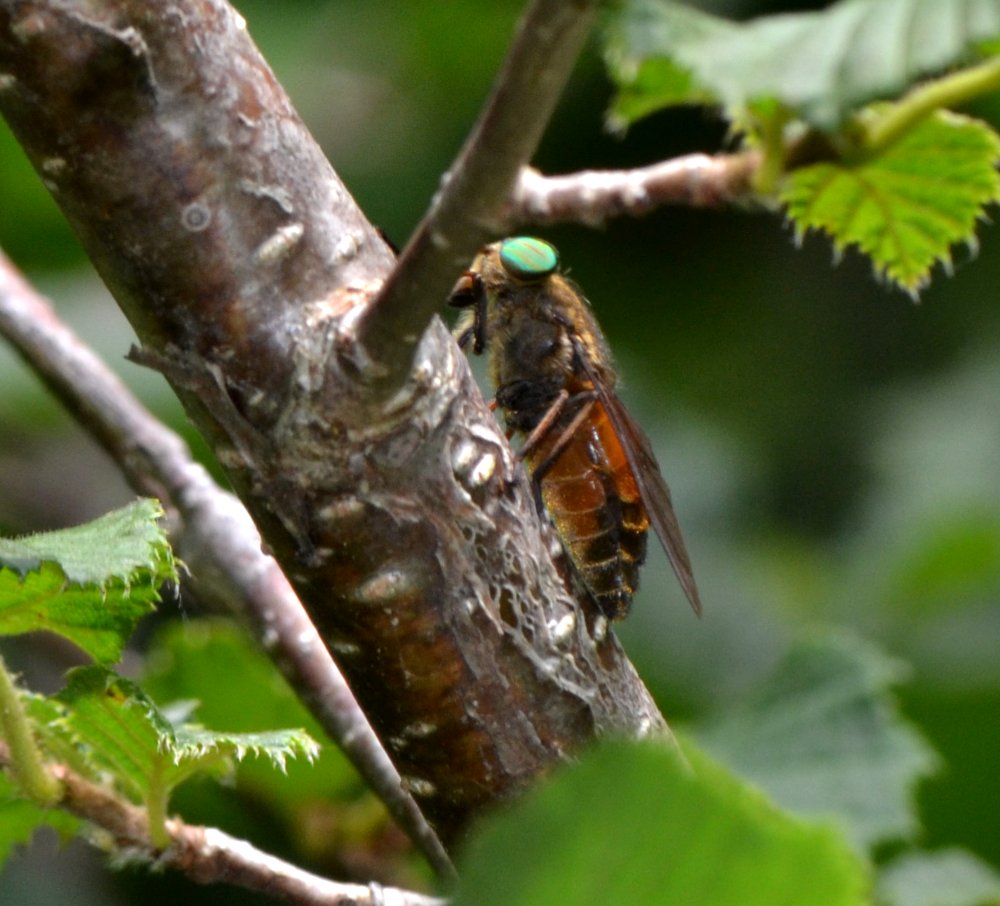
pixel 469 208
pixel 213 533
pixel 594 196
pixel 209 856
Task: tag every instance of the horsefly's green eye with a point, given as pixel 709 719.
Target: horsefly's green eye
pixel 525 258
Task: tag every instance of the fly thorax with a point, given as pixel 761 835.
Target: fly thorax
pixel 533 349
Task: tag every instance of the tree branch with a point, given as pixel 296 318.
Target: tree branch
pixel 594 196
pixel 209 856
pixel 404 524
pixel 468 210
pixel 213 534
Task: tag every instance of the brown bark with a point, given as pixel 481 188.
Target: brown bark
pixel 405 525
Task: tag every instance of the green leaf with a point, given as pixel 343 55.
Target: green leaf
pixel 823 737
pixel 320 807
pixel 906 207
pixel 239 690
pixel 125 734
pixel 98 621
pixel 49 716
pixel 122 730
pixel 90 584
pixel 822 65
pixel 950 877
pixel 953 559
pixel 647 79
pixel 214 661
pixel 635 824
pixel 193 743
pixel 121 545
pixel 19 819
pixel 654 85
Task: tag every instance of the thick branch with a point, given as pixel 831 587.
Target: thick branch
pixel 405 525
pixel 594 196
pixel 213 534
pixel 468 210
pixel 209 856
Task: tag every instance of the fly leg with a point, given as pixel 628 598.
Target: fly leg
pixel 585 400
pixel 493 406
pixel 470 292
pixel 545 427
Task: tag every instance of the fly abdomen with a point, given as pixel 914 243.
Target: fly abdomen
pixel 590 494
pixel 609 563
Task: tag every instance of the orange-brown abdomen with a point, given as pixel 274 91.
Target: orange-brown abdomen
pixel 592 497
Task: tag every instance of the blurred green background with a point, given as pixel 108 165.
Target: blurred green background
pixel 833 447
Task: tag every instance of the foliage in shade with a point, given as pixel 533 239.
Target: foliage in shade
pixel 238 689
pixel 824 738
pixel 321 807
pixel 635 824
pixel 821 65
pixel 90 584
pixel 946 878
pixel 126 734
pixel 107 729
pixel 905 195
pixel 637 49
pixel 50 717
pixel 19 819
pixel 907 207
pixel 955 560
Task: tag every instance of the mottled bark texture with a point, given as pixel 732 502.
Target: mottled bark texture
pixel 243 264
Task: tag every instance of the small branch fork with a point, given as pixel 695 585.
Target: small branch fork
pixel 490 188
pixel 468 210
pixel 213 534
pixel 208 856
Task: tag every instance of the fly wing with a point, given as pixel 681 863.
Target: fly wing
pixel 652 488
